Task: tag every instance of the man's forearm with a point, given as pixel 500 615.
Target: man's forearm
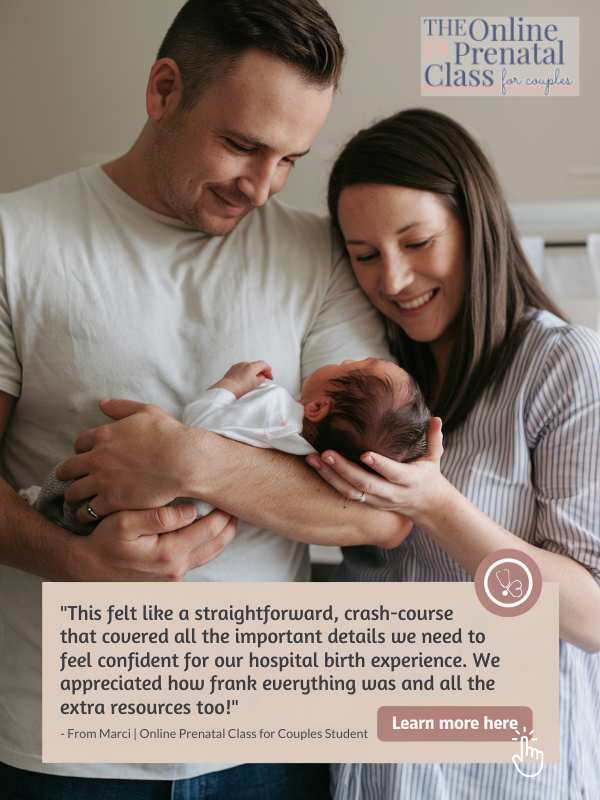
pixel 146 459
pixel 279 492
pixel 29 542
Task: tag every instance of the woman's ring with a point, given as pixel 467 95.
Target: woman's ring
pixel 92 513
pixel 361 497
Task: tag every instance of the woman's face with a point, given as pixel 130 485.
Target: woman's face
pixel 407 251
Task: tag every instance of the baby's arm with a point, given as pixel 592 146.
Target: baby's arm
pixel 243 377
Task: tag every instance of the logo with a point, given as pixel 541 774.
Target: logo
pixel 500 56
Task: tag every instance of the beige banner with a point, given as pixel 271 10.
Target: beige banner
pixel 252 672
pixel 512 56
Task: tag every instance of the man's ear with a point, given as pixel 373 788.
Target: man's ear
pixel 317 410
pixel 164 90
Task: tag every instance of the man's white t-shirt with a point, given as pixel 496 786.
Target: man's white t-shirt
pixel 101 297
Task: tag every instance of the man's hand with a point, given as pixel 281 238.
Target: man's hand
pixel 243 377
pixel 141 461
pixel 155 545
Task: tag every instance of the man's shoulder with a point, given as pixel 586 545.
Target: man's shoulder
pixel 40 198
pixel 285 214
pixel 277 219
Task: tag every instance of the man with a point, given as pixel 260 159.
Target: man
pixel 146 279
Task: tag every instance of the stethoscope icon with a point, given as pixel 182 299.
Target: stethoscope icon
pixel 508 583
pixel 510 588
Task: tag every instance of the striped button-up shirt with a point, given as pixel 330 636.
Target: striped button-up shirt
pixel 529 457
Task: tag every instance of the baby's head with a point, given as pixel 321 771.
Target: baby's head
pixel 371 405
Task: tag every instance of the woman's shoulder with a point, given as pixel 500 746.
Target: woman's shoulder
pixel 550 341
pixel 545 341
pixel 564 374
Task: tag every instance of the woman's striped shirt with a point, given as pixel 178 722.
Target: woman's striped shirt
pixel 527 455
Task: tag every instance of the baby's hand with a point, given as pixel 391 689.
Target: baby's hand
pixel 243 377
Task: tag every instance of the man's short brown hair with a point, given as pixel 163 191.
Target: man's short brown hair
pixel 208 37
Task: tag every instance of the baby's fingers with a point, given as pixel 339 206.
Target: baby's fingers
pixel 261 368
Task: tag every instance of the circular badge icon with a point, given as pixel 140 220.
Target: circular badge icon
pixel 508 582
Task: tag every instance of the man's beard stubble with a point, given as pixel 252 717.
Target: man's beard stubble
pixel 160 165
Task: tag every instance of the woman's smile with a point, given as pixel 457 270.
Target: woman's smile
pixel 416 304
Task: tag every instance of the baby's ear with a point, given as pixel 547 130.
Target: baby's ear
pixel 317 410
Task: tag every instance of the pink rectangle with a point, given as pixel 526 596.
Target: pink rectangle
pixel 453 723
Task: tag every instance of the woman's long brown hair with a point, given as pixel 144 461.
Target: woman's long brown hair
pixel 425 150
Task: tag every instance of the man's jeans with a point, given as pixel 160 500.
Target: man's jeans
pixel 247 782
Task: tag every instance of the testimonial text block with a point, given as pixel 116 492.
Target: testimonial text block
pixel 294 672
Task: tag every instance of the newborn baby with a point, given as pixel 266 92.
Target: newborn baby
pixel 358 406
pixel 350 407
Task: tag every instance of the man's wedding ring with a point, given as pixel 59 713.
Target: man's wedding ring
pixel 92 513
pixel 360 499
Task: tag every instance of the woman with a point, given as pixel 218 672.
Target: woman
pixel 433 246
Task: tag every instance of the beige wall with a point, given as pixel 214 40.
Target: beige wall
pixel 73 74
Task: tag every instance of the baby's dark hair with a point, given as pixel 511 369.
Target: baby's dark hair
pixel 370 413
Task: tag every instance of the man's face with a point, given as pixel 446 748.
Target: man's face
pixel 236 147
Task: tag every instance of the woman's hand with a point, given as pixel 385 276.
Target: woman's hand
pixel 410 489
